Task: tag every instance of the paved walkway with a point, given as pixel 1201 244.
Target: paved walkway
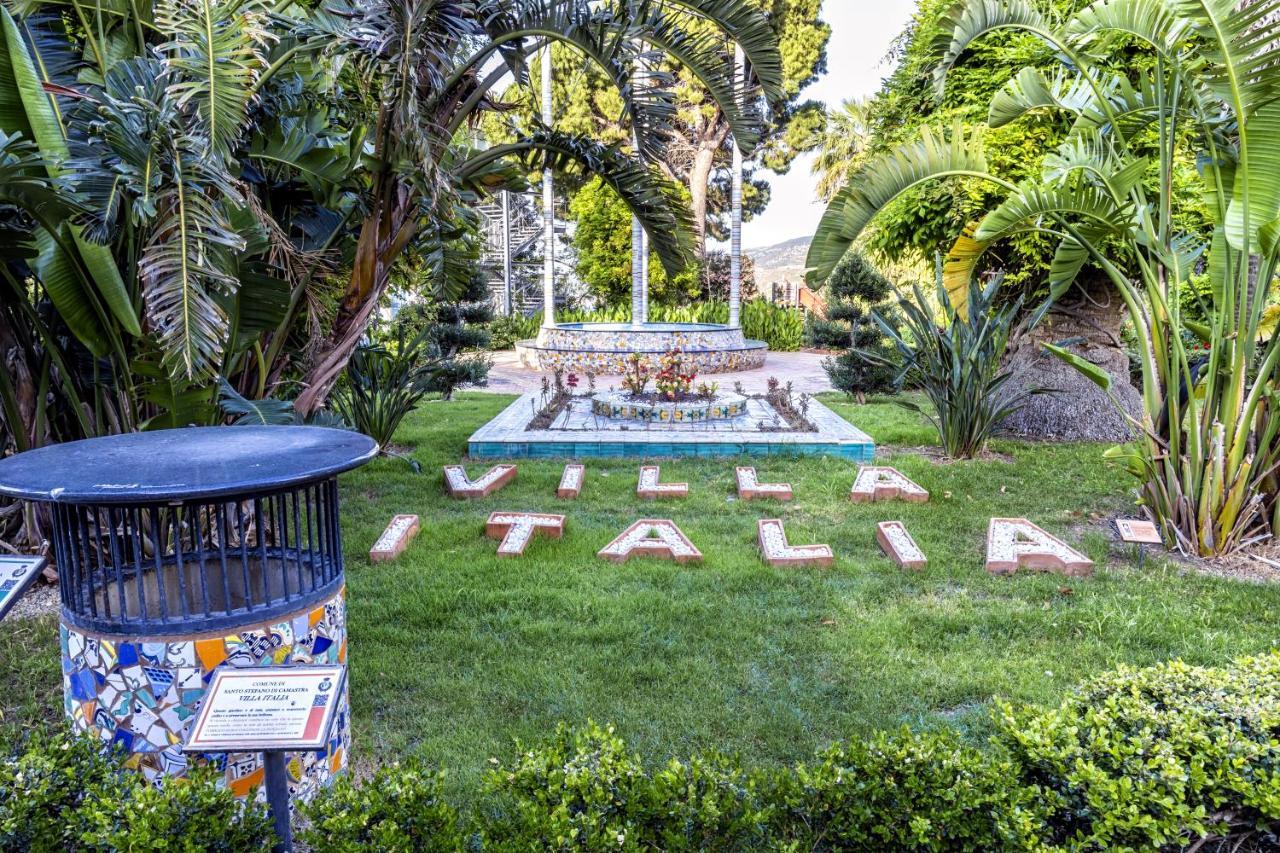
pixel 803 369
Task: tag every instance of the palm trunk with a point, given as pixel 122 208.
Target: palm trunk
pixel 1092 317
pixel 385 232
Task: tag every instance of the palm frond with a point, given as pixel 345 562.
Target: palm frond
pixel 185 265
pixel 703 55
pixel 651 197
pixel 1240 46
pixel 1031 90
pixel 1156 22
pixel 1032 203
pixel 246 412
pixel 749 28
pixel 215 53
pixel 969 20
pixel 960 266
pixel 935 155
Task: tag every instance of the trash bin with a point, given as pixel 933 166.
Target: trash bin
pixel 182 550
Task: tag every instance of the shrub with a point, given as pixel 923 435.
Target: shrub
pixel 61 793
pixel 905 792
pixel 1150 759
pixel 194 815
pixel 956 365
pixel 383 384
pixel 584 790
pixel 780 327
pixel 1147 758
pixel 42 782
pixel 399 809
pixel 828 333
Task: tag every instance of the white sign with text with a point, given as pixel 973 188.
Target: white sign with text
pixel 286 708
pixel 16 574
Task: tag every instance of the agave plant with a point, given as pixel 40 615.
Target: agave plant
pixel 383 384
pixel 1208 446
pixel 957 364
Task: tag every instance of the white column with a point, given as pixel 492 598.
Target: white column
pixel 637 271
pixel 507 286
pixel 639 240
pixel 548 207
pixel 735 233
pixel 645 252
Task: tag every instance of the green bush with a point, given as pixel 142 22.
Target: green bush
pixel 958 365
pixel 780 327
pixel 399 809
pixel 827 333
pixel 61 793
pixel 905 792
pixel 1151 759
pixel 584 790
pixel 1138 759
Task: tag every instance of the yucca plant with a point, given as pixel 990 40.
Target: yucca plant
pixel 1206 95
pixel 383 384
pixel 957 364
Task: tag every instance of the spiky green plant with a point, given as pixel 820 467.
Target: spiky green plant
pixel 956 364
pixel 1209 94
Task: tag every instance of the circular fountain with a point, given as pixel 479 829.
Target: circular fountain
pixel 603 348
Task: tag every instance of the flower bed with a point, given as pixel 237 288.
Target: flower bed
pixel 653 408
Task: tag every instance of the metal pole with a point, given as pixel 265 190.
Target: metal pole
pixel 506 253
pixel 735 235
pixel 277 783
pixel 548 207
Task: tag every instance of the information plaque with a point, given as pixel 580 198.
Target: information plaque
pixel 17 572
pixel 1138 531
pixel 267 709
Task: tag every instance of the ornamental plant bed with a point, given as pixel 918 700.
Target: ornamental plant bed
pixel 673 398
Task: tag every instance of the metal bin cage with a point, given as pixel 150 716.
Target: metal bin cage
pixel 203 565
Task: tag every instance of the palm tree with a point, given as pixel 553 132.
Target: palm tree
pixel 161 128
pixel 428 63
pixel 1208 447
pixel 843 143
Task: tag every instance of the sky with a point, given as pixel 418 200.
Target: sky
pixel 861 32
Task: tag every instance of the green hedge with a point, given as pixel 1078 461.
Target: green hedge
pixel 780 327
pixel 62 793
pixel 1150 759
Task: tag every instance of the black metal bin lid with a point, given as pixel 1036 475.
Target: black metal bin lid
pixel 182 464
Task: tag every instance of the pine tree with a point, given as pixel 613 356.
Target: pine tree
pixel 456 336
pixel 856 289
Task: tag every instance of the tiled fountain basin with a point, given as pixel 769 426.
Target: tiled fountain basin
pixel 577 433
pixel 603 348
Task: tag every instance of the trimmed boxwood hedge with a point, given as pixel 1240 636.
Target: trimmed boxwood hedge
pixel 1136 759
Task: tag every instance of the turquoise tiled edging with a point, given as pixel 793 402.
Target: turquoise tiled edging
pixel 506 437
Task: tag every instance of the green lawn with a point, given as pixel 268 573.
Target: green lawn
pixel 455 652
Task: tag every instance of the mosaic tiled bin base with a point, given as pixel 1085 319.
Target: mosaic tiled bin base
pixel 603 348
pixel 141 693
pixel 618 404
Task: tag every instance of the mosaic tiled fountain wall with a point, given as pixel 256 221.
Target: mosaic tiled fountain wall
pixel 141 693
pixel 603 348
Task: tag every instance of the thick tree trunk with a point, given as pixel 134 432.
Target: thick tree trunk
pixel 699 179
pixel 704 161
pixel 1090 317
pixel 13 360
pixel 384 234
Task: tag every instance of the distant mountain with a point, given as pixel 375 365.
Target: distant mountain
pixel 781 262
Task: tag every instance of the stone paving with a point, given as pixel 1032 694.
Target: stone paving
pixel 802 369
